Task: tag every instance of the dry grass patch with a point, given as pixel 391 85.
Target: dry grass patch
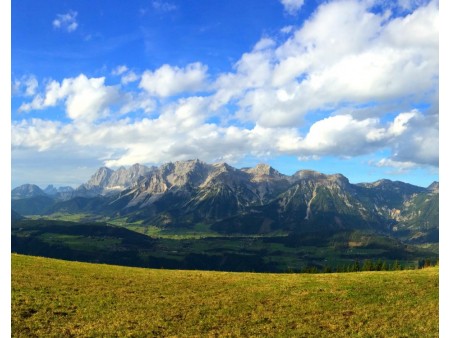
pixel 56 298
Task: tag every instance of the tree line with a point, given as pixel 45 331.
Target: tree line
pixel 370 265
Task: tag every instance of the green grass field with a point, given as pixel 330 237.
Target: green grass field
pixel 54 298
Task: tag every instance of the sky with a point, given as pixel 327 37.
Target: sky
pixel 347 87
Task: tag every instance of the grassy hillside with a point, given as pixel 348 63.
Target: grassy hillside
pixel 56 298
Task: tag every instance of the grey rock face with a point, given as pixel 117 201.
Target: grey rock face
pixel 188 192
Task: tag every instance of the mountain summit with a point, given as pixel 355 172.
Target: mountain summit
pixel 247 200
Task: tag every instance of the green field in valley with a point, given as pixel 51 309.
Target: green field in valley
pixel 200 250
pixel 55 298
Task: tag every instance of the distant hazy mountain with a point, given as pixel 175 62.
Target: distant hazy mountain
pixel 27 191
pixel 51 190
pixel 248 200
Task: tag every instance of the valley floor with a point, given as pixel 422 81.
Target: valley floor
pixel 55 298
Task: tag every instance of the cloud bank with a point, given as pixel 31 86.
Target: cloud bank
pixel 350 81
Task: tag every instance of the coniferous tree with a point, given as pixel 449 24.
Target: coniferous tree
pixel 367 266
pixel 420 263
pixel 378 265
pixel 356 266
pixel 396 266
pixel 327 269
pixel 351 267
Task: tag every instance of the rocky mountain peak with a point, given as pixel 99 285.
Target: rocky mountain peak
pixel 174 174
pixel 139 169
pixel 381 183
pixel 223 166
pixel 124 178
pixel 183 172
pixel 100 178
pixel 26 191
pixel 434 187
pixel 50 190
pixel 183 167
pixel 309 175
pixel 183 192
pixel 339 179
pixel 263 169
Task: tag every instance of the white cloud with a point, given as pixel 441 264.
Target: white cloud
pixel 343 56
pixel 253 70
pixel 399 166
pixel 286 29
pixel 163 6
pixel 419 142
pixel 132 102
pixel 264 43
pixel 129 77
pixel 181 132
pixel 292 6
pixel 36 104
pixel 342 135
pixel 168 80
pixel 119 70
pixel 27 85
pixel 39 134
pixel 411 4
pixel 329 90
pixel 400 123
pixel 85 98
pixel 67 22
pixel 412 138
pixel 271 108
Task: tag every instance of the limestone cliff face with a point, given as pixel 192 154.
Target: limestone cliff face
pixel 260 198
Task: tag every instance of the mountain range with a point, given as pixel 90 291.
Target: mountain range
pixel 254 200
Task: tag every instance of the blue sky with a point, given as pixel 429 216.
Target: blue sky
pixel 337 86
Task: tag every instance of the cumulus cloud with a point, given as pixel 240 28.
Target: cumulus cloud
pixel 343 84
pixel 127 76
pixel 252 71
pixel 39 134
pixel 67 22
pixel 181 132
pixel 413 138
pixel 286 29
pixel 342 135
pixel 85 98
pixel 27 85
pixel 419 142
pixel 411 4
pixel 132 103
pixel 400 167
pixel 119 70
pixel 344 55
pixel 292 6
pixel 168 80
